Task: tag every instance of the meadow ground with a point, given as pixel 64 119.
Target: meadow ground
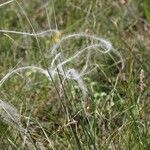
pixel 74 75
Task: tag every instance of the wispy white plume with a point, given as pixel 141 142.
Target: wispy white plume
pixel 38 34
pixel 8 2
pixel 32 68
pixel 10 114
pixel 58 62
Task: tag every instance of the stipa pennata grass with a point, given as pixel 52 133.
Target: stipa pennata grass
pixel 101 45
pixel 59 63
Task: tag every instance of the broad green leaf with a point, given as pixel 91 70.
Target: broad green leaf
pixel 147 9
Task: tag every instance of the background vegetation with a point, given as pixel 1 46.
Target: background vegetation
pixel 115 114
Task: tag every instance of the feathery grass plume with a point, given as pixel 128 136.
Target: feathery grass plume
pixel 8 2
pixel 38 34
pixel 70 74
pixel 32 68
pixel 10 115
pixel 104 44
pixel 101 45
